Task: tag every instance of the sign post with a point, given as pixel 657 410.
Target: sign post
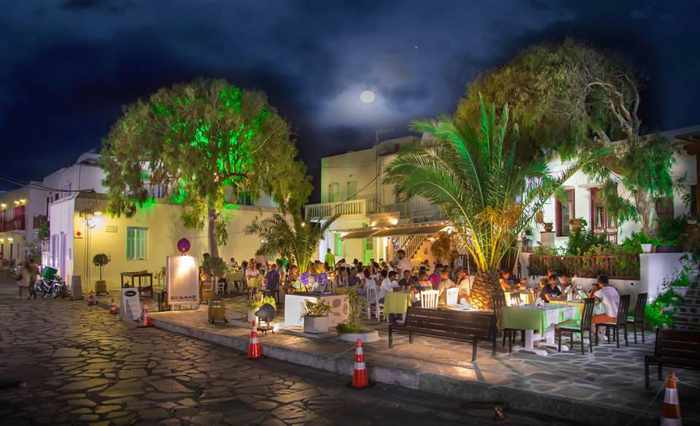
pixel 182 281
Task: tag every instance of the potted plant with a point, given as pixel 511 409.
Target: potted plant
pixel 316 319
pixel 352 330
pixel 256 301
pixel 548 227
pixel 100 260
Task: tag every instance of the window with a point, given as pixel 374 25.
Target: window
pixel 333 192
pixel 565 212
pixel 351 191
pixel 136 243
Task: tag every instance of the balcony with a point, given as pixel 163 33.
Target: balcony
pixel 339 208
pixel 14 224
pixel 416 209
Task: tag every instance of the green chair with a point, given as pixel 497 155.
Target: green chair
pixel 577 326
pixel 638 317
pixel 620 322
pixel 499 302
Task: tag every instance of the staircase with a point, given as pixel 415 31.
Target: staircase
pixel 411 244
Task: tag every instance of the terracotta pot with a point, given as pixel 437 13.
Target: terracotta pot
pixel 316 325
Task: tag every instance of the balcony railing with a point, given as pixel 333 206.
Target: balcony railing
pixel 341 208
pixel 616 266
pixel 14 224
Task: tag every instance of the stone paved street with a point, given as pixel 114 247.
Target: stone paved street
pixel 79 364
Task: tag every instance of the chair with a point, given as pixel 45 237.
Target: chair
pixel 516 299
pixel 574 326
pixel 452 296
pixel 429 299
pixel 621 322
pixel 499 302
pixel 373 301
pixel 638 316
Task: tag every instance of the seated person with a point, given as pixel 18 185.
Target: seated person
pixel 445 283
pixel 389 283
pixel 464 282
pixel 608 296
pixel 504 281
pixel 552 287
pixel 407 280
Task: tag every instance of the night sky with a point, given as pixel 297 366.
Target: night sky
pixel 69 66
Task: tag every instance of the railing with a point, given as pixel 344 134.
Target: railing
pixel 342 208
pixel 15 224
pixel 412 244
pixel 616 266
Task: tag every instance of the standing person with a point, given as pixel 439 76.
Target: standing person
pixel 329 259
pixel 445 283
pixel 33 275
pixel 435 276
pixel 464 282
pixel 22 280
pixel 272 283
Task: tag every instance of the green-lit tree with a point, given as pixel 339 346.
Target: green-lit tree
pixel 292 237
pixel 475 176
pixel 202 144
pixel 567 99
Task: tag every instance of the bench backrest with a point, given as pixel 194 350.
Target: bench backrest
pixel 679 346
pixel 443 322
pixel 623 309
pixel 639 307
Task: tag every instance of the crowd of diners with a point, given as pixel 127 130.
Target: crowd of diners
pixel 280 277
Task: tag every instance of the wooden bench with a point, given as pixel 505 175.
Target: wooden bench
pixel 674 348
pixel 454 325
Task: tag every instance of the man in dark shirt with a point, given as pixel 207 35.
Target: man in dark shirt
pixel 272 282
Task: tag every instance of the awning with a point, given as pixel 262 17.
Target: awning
pixel 410 230
pixel 362 233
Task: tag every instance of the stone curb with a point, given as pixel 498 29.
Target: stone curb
pixel 583 412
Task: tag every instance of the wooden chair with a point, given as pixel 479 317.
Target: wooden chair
pixel 673 348
pixel 499 302
pixel 575 326
pixel 638 317
pixel 429 299
pixel 621 322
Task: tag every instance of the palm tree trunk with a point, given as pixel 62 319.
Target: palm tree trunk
pixel 485 286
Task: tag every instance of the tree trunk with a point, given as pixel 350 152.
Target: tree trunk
pixel 485 286
pixel 211 231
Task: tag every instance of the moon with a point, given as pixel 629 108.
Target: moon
pixel 367 96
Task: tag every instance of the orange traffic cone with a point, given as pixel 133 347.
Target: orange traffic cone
pixel 671 409
pixel 360 380
pixel 254 346
pixel 113 309
pixel 146 318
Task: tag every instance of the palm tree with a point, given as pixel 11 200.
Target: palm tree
pixel 296 240
pixel 477 179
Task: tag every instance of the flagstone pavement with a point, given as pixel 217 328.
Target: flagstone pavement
pixel 63 362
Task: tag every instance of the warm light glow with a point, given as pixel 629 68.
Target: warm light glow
pixel 3 206
pixel 23 201
pixel 367 96
pixel 393 221
pixel 303 224
pixel 183 267
pixel 98 213
pixel 9 240
pixel 16 202
pixel 2 240
pixel 95 222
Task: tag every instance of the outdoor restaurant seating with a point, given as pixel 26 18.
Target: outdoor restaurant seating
pixel 499 302
pixel 637 318
pixel 448 324
pixel 572 327
pixel 673 348
pixel 621 322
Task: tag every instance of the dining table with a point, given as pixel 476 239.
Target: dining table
pixel 538 319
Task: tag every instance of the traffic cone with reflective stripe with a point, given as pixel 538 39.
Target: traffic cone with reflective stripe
pixel 254 345
pixel 113 309
pixel 671 409
pixel 360 380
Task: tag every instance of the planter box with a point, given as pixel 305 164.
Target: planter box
pixel 647 248
pixel 369 337
pixel 316 325
pixel 100 287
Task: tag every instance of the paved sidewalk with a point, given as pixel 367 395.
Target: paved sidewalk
pixel 606 387
pixel 81 365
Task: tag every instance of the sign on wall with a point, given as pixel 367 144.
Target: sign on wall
pixel 182 280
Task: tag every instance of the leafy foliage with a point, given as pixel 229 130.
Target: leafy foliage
pixel 201 143
pixel 582 240
pixel 296 240
pixel 214 266
pixel 474 174
pixel 255 302
pixel 358 305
